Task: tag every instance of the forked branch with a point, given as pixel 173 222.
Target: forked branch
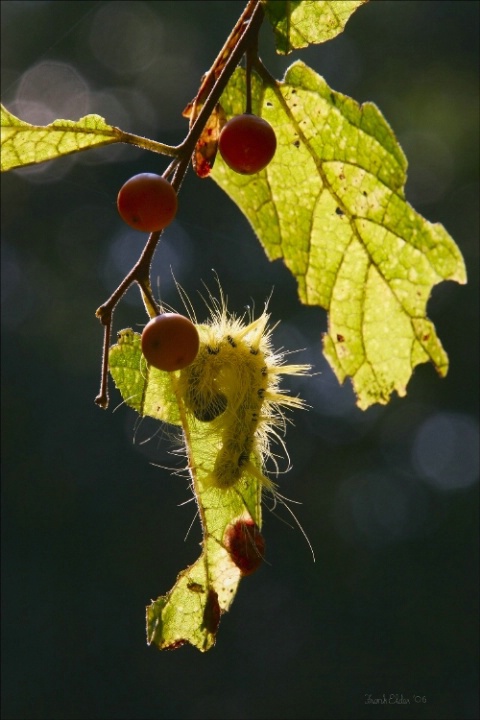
pixel 243 36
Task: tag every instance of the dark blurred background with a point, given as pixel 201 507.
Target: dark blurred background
pixel 93 530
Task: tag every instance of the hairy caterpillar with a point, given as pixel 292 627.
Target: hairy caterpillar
pixel 228 400
pixel 232 387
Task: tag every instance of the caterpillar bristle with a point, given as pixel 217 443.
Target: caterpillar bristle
pixel 233 388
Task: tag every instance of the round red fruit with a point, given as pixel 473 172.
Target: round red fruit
pixel 247 143
pixel 246 545
pixel 147 202
pixel 170 342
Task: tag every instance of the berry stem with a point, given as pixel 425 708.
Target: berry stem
pixel 244 33
pixel 248 81
pixel 250 57
pixel 251 30
pixel 208 80
pixel 151 305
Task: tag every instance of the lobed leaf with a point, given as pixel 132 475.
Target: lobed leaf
pixel 332 205
pixel 24 144
pixel 298 23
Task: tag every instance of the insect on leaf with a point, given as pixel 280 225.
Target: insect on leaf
pixel 229 405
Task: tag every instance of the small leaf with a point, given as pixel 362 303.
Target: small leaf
pixel 332 205
pixel 303 22
pixel 24 144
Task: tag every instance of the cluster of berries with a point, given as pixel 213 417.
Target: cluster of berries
pixel 148 202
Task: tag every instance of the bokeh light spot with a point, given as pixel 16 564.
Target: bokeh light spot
pixel 49 91
pixel 446 451
pixel 125 37
pixel 380 508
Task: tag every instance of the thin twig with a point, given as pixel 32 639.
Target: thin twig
pixel 102 397
pixel 250 55
pixel 251 31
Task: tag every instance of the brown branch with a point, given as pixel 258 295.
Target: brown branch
pixel 102 397
pixel 188 146
pixel 244 33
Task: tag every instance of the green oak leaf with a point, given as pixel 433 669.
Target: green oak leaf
pixel 332 205
pixel 191 611
pixel 298 23
pixel 24 144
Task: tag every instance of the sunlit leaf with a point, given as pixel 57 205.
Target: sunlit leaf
pixel 332 205
pixel 298 23
pixel 24 144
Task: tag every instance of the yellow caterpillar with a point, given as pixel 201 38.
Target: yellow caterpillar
pixel 232 388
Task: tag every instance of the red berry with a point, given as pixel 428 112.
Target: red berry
pixel 247 143
pixel 170 342
pixel 147 202
pixel 246 545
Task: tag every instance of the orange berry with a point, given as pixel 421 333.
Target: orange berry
pixel 170 342
pixel 147 202
pixel 247 143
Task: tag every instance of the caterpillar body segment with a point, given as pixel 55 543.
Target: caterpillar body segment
pixel 231 395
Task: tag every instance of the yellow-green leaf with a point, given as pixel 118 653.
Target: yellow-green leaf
pixel 228 404
pixel 24 144
pixel 298 23
pixel 332 205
